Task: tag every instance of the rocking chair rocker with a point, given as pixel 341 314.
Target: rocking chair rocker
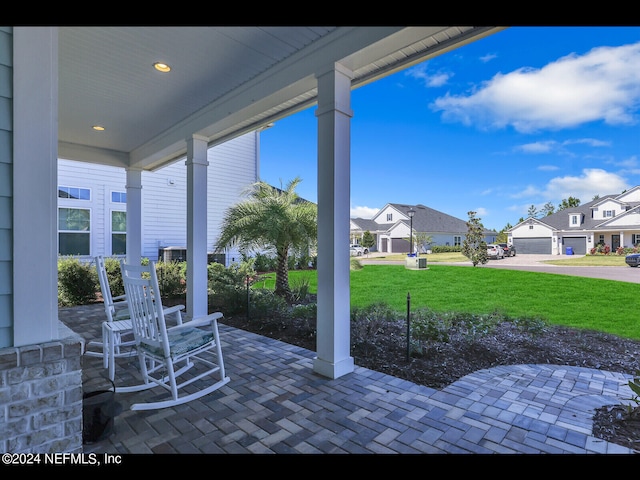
pixel 166 354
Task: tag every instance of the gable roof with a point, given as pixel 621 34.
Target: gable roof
pixel 560 220
pixel 426 220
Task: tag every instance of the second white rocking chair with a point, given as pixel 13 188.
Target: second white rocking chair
pixel 167 354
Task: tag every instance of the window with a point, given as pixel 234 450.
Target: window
pixel 635 239
pixel 118 233
pixel 74 231
pixel 118 197
pixel 74 193
pixel 609 213
pixel 601 240
pixel 389 217
pixel 574 219
pixel 530 227
pixel 456 241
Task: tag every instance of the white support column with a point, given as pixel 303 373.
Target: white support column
pixel 197 304
pixel 134 215
pixel 334 183
pixel 35 187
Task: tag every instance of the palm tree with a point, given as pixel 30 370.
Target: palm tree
pixel 271 218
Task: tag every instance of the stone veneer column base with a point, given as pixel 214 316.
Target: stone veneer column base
pixel 41 396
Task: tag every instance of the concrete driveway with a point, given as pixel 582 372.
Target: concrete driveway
pixel 534 263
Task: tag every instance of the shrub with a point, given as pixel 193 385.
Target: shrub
pixel 228 286
pixel 171 278
pixel 427 326
pixel 264 263
pixel 370 321
pixel 77 282
pixel 264 303
pixel 114 276
pixel 300 289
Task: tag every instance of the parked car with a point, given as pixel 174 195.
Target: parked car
pixel 495 251
pixel 355 251
pixel 509 250
pixel 360 248
pixel 633 259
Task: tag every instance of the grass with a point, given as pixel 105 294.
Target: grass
pixel 594 304
pixel 579 260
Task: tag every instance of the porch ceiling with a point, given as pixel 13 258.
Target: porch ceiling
pixel 225 81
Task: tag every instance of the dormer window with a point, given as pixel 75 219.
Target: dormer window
pixel 574 220
pixel 609 213
pixel 389 217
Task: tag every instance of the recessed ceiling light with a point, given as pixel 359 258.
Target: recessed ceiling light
pixel 99 128
pixel 162 67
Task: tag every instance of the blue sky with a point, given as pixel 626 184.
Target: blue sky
pixel 526 116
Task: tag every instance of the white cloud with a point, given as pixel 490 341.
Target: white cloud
pixel 593 181
pixel 538 147
pixel 530 191
pixel 363 212
pixel 629 163
pixel 547 168
pixel 430 80
pixel 602 85
pixel 481 211
pixel 592 142
pixel 488 57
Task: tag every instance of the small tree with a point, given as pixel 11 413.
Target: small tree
pixel 367 240
pixel 424 240
pixel 569 203
pixel 271 218
pixel 474 247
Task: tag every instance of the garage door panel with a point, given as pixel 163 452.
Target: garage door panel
pixel 578 244
pixel 540 245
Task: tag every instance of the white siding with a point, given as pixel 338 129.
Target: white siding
pixel 381 217
pixel 629 219
pixel 598 213
pixel 632 195
pixel 538 230
pixel 232 168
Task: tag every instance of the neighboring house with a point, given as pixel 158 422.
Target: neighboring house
pixel 612 220
pixel 391 228
pixel 92 203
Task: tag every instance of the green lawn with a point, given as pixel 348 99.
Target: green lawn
pixel 603 305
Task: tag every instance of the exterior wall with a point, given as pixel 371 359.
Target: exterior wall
pixel 6 188
pixel 232 168
pixel 598 213
pixel 381 216
pixel 629 220
pixel 537 231
pixel 632 195
pixel 41 396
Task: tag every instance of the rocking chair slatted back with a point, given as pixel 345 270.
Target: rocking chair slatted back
pixel 164 354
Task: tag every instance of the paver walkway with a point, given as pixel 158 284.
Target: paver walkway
pixel 275 403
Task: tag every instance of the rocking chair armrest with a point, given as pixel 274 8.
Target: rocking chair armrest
pixel 120 299
pixel 175 309
pixel 198 322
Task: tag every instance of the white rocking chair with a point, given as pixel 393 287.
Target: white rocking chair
pixel 165 354
pixel 117 340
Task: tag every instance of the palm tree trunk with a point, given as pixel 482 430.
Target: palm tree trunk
pixel 282 274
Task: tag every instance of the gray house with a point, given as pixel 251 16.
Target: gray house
pixel 611 220
pixel 391 228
